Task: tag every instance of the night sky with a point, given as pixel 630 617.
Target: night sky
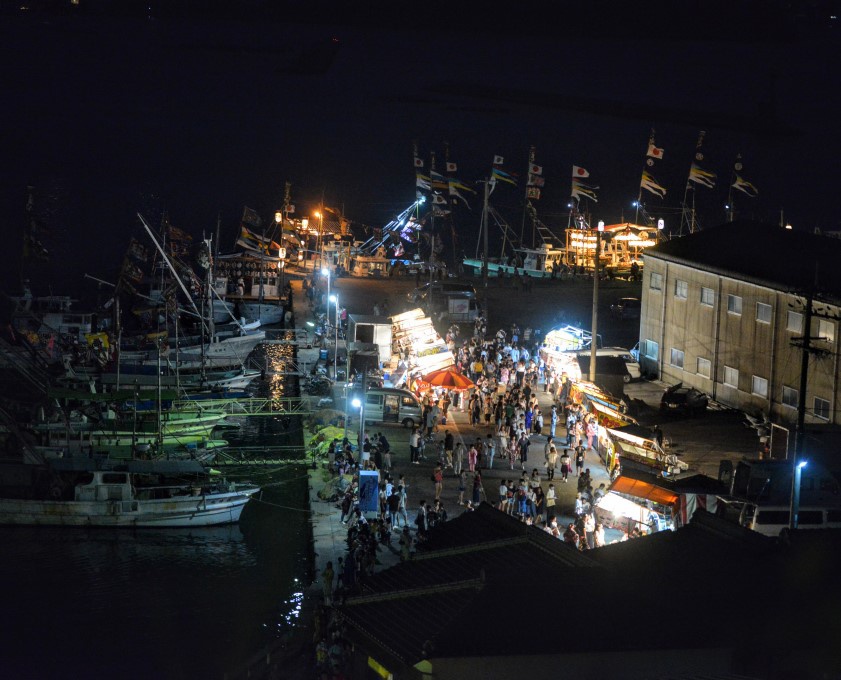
pixel 201 108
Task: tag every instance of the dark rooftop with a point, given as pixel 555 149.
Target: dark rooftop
pixel 725 585
pixel 766 254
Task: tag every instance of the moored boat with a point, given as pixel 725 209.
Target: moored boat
pixel 104 493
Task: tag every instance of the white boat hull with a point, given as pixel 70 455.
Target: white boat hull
pixel 266 313
pixel 186 511
pixel 496 269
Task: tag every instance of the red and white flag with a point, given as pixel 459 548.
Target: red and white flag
pixel 535 169
pixel 579 172
pixel 654 152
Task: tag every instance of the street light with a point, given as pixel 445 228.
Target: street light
pixel 319 242
pixel 795 493
pixel 326 273
pixel 335 299
pixel 281 252
pixel 357 403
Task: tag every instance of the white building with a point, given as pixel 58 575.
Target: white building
pixel 724 309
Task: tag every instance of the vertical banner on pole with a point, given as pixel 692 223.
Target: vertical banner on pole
pixel 369 490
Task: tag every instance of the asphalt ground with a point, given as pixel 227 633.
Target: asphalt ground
pixel 701 441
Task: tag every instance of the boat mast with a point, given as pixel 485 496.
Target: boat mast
pixel 526 206
pixel 171 268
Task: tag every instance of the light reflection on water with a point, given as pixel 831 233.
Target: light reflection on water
pixel 163 603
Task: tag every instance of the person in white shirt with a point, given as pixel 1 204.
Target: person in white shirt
pixel 414 445
pixel 550 503
pixel 589 530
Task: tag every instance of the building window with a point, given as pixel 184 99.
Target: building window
pixel 681 289
pixel 652 350
pixel 656 281
pixel 734 304
pixel 704 367
pixel 759 386
pixel 794 322
pixel 826 331
pixel 790 397
pixel 731 376
pixel 763 312
pixel 676 358
pixel 707 296
pixel 821 408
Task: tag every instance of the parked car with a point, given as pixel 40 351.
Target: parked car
pixel 626 308
pixel 684 399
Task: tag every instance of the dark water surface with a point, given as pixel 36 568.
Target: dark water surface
pixel 162 603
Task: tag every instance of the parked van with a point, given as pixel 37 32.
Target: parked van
pixel 770 520
pixel 392 405
pixel 634 372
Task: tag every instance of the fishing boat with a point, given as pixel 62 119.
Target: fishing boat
pixel 106 493
pixel 126 432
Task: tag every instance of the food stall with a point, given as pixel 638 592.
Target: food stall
pixel 565 339
pixel 634 446
pixel 417 348
pixel 636 502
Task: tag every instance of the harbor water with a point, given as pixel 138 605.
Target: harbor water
pixel 166 603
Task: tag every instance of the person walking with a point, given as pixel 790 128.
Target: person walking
pixel 402 510
pixel 438 479
pixel 598 535
pixel 458 459
pixel 327 583
pixel 490 450
pixel 539 500
pixel 579 457
pixel 566 463
pixel 392 504
pixel 553 421
pixel 449 441
pixel 462 486
pixel 414 445
pixel 472 458
pixel 524 449
pixel 590 530
pixel 549 502
pixel 513 452
pixel 478 490
pixel 503 495
pixel 590 431
pixel 551 461
pixel 538 422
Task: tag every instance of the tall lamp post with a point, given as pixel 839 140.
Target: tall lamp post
pixel 326 273
pixel 281 251
pixel 795 493
pixel 335 299
pixel 319 243
pixel 357 403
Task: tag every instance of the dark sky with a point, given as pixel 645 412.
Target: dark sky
pixel 201 109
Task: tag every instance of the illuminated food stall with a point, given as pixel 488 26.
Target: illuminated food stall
pixel 635 503
pixel 559 342
pixel 634 446
pixel 417 348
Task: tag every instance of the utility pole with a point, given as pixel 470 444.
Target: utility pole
pixel 594 345
pixel 800 429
